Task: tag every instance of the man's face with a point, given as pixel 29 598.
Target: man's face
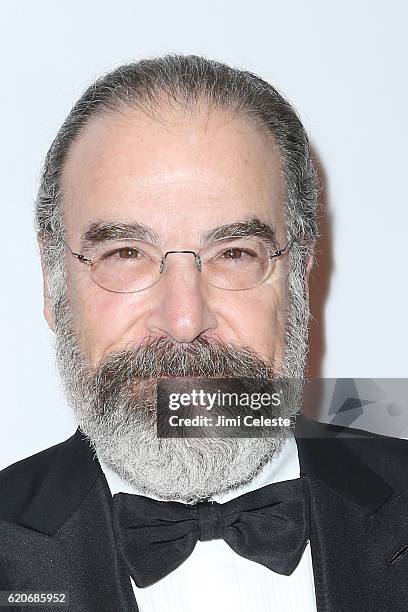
pixel 181 177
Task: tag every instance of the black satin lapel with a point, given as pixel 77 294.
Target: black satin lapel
pixel 80 558
pixel 65 537
pixel 332 455
pixel 70 477
pixel 349 547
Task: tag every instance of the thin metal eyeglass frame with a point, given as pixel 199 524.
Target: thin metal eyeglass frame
pixel 274 255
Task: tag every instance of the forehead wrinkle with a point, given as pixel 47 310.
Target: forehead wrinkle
pixel 182 176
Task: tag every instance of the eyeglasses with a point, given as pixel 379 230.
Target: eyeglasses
pixel 234 263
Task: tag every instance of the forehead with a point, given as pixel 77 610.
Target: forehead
pixel 179 173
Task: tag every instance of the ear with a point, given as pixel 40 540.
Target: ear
pixel 48 315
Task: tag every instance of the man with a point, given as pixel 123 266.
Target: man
pixel 176 221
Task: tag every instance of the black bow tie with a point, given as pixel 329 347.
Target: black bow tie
pixel 269 526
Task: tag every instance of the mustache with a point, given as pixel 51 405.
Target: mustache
pixel 162 357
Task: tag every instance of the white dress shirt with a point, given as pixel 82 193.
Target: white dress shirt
pixel 216 578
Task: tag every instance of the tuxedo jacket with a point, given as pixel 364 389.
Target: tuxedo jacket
pixel 56 527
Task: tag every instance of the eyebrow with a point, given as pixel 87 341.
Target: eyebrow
pixel 252 228
pixel 100 232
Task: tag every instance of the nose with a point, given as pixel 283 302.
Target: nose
pixel 180 300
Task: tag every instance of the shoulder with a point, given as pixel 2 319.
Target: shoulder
pixel 20 481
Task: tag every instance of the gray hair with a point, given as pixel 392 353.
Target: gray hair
pixel 185 81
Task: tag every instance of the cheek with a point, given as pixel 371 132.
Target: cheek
pixel 268 316
pixel 257 319
pixel 106 321
pixel 268 328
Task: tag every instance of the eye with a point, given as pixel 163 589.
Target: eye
pixel 236 253
pixel 124 253
pixel 128 253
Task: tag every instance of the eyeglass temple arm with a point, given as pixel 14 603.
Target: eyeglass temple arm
pixel 280 251
pixel 81 258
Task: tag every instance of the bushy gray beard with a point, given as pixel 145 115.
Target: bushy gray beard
pixel 115 406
